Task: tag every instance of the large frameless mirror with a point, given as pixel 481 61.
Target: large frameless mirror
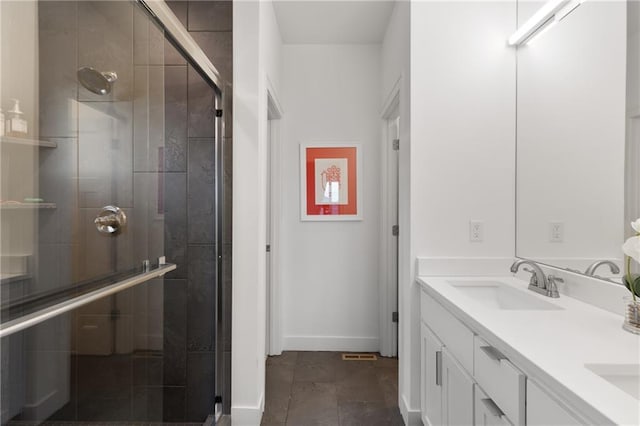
pixel 578 136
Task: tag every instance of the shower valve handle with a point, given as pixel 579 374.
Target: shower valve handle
pixel 110 220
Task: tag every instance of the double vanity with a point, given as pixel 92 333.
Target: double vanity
pixel 493 352
pixel 506 348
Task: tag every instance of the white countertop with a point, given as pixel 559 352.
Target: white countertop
pixel 553 346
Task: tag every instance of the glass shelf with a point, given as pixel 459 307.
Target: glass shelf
pixel 27 142
pixel 28 206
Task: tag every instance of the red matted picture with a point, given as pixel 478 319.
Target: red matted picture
pixel 330 184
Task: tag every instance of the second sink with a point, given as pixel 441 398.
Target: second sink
pixel 498 295
pixel 625 377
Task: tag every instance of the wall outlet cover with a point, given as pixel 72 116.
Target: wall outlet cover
pixel 476 231
pixel 556 232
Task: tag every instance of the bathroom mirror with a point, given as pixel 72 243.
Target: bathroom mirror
pixel 578 136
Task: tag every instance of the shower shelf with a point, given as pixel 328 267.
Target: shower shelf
pixel 28 206
pixel 28 142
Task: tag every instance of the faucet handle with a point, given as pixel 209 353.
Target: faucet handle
pixel 552 291
pixel 534 276
pixel 554 279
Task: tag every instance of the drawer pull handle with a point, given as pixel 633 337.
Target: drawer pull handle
pixel 492 407
pixel 493 353
pixel 438 368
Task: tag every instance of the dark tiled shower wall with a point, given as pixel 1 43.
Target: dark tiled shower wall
pixel 190 236
pixel 190 241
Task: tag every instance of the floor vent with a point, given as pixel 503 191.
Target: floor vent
pixel 359 357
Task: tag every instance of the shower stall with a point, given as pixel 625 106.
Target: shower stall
pixel 114 216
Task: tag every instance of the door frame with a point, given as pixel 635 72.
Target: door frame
pixel 389 293
pixel 274 290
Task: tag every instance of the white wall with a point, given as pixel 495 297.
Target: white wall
pixel 256 44
pixel 396 78
pixel 633 55
pixel 462 145
pixel 395 49
pixel 571 137
pixel 463 131
pixel 271 48
pixel 331 94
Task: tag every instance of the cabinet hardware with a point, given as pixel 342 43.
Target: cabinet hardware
pixel 493 353
pixel 438 368
pixel 492 407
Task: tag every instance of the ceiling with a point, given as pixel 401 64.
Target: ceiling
pixel 333 22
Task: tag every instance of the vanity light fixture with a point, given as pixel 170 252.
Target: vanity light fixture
pixel 546 17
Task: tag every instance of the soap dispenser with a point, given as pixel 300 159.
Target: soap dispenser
pixel 16 125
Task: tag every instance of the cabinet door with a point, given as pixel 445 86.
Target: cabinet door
pixel 542 410
pixel 431 378
pixel 457 392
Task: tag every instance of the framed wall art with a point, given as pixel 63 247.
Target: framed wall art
pixel 330 182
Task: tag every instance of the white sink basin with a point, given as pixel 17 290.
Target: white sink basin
pixel 498 295
pixel 625 377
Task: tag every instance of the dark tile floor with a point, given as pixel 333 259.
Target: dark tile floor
pixel 319 388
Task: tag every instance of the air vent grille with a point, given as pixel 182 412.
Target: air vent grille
pixel 359 357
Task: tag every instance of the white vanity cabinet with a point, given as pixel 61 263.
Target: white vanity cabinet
pixel 430 377
pixel 446 389
pixel 457 392
pixel 465 380
pixel 500 379
pixel 542 410
pixel 486 412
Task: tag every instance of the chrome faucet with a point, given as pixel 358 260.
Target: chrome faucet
pixel 538 282
pixel 591 270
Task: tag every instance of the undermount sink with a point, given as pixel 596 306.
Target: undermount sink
pixel 498 295
pixel 625 377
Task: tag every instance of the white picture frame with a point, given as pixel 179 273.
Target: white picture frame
pixel 322 165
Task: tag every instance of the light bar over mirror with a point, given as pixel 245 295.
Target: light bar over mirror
pixel 547 16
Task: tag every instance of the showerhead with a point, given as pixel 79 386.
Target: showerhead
pixel 97 82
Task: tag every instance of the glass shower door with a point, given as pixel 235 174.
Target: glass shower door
pixel 81 207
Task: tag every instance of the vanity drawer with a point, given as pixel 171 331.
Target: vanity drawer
pixel 452 333
pixel 500 379
pixel 487 412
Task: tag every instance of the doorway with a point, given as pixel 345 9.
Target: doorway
pixel 390 230
pixel 273 340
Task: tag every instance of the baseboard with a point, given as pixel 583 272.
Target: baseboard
pixel 246 416
pixel 410 417
pixel 456 266
pixel 331 343
pixel 45 406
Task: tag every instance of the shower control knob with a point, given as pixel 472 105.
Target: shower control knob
pixel 110 220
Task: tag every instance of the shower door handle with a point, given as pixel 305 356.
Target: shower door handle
pixel 110 220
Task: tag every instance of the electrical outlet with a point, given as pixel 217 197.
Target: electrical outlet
pixel 556 232
pixel 476 231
